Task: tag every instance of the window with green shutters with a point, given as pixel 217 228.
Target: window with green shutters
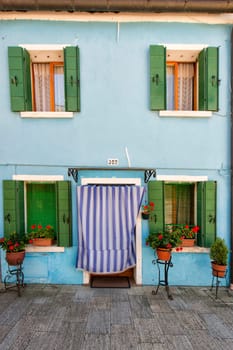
pixel 45 204
pixel 184 203
pixel 44 80
pixel 184 79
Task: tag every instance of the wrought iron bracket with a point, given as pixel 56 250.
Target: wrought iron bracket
pixel 74 173
pixel 147 172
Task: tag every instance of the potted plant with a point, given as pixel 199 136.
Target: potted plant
pixel 147 209
pixel 14 247
pixel 218 255
pixel 41 236
pixel 188 234
pixel 163 242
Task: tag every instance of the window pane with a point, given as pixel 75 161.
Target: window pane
pixel 59 88
pixel 41 73
pixel 170 88
pixel 179 204
pixel 41 205
pixel 185 86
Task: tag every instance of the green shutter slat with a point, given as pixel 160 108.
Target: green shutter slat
pixel 19 79
pixel 212 78
pixel 206 213
pixel 201 80
pixel 13 207
pixel 157 77
pixel 208 79
pixel 156 195
pixel 72 78
pixel 64 217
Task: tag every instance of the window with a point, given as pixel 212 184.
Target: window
pixel 184 203
pixel 184 80
pixel 38 203
pixel 179 204
pixel 44 80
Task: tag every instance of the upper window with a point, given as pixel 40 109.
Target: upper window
pixel 183 80
pixel 44 80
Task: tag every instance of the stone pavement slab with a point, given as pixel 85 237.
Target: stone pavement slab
pixel 69 317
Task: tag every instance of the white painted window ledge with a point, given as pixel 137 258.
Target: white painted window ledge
pixel 44 115
pixel 186 114
pixel 194 249
pixel 51 249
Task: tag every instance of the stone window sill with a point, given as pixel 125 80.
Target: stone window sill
pixel 194 249
pixel 51 249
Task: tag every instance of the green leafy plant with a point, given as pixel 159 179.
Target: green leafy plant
pixel 15 243
pixel 38 231
pixel 185 231
pixel 167 239
pixel 219 251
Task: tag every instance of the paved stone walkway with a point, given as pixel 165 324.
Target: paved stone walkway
pixel 68 317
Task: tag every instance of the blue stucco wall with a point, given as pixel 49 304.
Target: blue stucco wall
pixel 115 114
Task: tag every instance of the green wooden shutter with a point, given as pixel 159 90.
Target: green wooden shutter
pixel 13 197
pixel 72 79
pixel 157 77
pixel 206 213
pixel 20 79
pixel 156 195
pixel 64 211
pixel 208 79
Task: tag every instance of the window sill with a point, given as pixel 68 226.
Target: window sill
pixel 51 249
pixel 186 114
pixel 52 115
pixel 194 249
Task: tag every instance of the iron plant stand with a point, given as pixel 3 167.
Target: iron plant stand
pixel 14 278
pixel 165 264
pixel 216 281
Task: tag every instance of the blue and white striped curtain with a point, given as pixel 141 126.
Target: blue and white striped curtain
pixel 106 227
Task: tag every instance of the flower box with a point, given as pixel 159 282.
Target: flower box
pixel 42 242
pixel 187 242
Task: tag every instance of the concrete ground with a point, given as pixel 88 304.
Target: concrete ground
pixel 70 317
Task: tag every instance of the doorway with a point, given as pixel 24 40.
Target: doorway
pixel 137 270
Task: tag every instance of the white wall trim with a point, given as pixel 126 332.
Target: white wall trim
pixel 40 178
pixel 206 18
pixel 181 178
pixel 137 182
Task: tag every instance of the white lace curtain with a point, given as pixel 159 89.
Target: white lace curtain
pixel 185 87
pixel 42 87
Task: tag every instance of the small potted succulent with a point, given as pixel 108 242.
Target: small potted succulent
pixel 219 255
pixel 14 246
pixel 41 236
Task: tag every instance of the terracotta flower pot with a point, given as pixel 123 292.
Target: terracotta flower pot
pixel 42 242
pixel 218 270
pixel 15 258
pixel 163 253
pixel 188 242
